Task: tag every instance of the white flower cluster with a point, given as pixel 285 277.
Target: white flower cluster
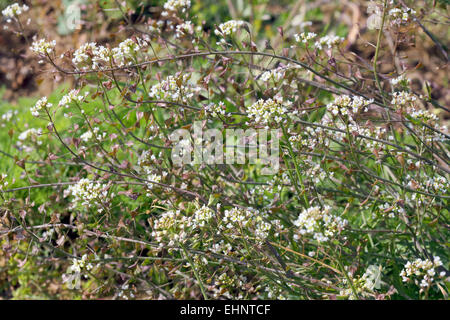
pixel 94 133
pixel 317 136
pixel 316 173
pixel 88 193
pixel 86 136
pixel 275 74
pixel 363 286
pixel 391 210
pixel 124 293
pixel 305 36
pixel 175 5
pixel 356 129
pixel 250 220
pixel 170 227
pixel 281 180
pixel 3 182
pixel 43 46
pixel 424 115
pixel 422 270
pixel 229 27
pixel 6 117
pixel 275 292
pixel 73 274
pixel 31 133
pixel 329 41
pixel 322 135
pixel 70 97
pixel 266 111
pixel 402 80
pixel 156 27
pixel 259 193
pixel 40 105
pixel 222 247
pixel 320 223
pixel 438 184
pixel 174 89
pixel 223 284
pixel 399 16
pixel 79 264
pixel 14 10
pixel 202 216
pixel 375 132
pixel 184 29
pixel 432 120
pixel 90 55
pixel 146 158
pixel 126 51
pixel 343 103
pixel 145 161
pixel 154 178
pixel 216 109
pixel 173 226
pixel 402 98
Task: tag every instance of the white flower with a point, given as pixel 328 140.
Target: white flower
pixel 343 103
pixel 9 115
pixel 329 41
pixel 3 182
pixel 30 133
pixel 89 55
pixel 249 219
pixel 423 115
pixel 169 228
pixel 304 36
pixel 73 274
pixel 391 210
pixel 422 270
pixel 174 88
pixel 276 74
pixel 402 98
pixel 229 27
pixel 87 193
pixel 146 158
pixel 126 51
pixel 14 10
pixel 184 28
pixel 202 216
pixel 86 136
pixel 269 110
pixel 41 104
pixel 320 223
pixel 400 16
pixel 43 47
pixel 70 97
pixel 152 178
pixel 362 285
pixel 216 109
pixel 400 80
pixel 175 5
pixel 78 264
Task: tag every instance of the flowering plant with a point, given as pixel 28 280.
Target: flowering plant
pixel 357 207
